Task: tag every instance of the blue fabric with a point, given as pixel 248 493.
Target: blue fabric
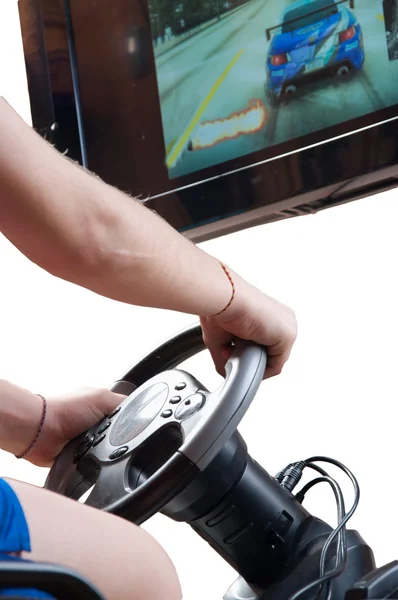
pixel 14 532
pixel 14 537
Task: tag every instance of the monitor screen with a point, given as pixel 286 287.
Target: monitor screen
pixel 217 113
pixel 239 77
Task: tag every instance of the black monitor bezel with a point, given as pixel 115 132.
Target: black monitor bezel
pixel 297 182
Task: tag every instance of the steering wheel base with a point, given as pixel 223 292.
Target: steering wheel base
pixel 243 513
pixel 304 568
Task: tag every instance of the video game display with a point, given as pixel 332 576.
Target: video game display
pixel 239 76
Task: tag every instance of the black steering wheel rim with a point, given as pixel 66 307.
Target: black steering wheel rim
pixel 168 355
pixel 186 463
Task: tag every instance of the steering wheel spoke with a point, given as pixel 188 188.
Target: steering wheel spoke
pixel 189 412
pixel 188 427
pixel 112 485
pixel 64 475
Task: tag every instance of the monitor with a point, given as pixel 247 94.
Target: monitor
pixel 220 114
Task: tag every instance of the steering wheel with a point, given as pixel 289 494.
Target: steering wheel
pixel 163 434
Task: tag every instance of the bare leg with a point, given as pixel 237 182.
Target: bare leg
pixel 122 560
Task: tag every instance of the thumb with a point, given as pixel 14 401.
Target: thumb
pixel 103 402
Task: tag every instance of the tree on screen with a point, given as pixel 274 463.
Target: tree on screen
pixel 179 16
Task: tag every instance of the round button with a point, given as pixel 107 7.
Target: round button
pixel 167 413
pixel 99 439
pixel 175 399
pixel 118 409
pixel 83 447
pixel 180 386
pixel 104 427
pixel 118 453
pixel 191 406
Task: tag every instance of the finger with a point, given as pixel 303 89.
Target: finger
pixel 218 354
pixel 227 353
pixel 217 341
pixel 103 402
pixel 219 362
pixel 275 365
pixel 214 333
pixel 112 400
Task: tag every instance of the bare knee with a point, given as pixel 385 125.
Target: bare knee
pixel 155 577
pixel 122 560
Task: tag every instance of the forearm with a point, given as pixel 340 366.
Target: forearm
pixel 20 416
pixel 82 230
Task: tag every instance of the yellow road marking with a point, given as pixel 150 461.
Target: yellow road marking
pixel 170 145
pixel 179 146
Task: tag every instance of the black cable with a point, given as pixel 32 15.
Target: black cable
pixel 340 531
pixel 339 465
pixel 76 82
pixel 341 547
pixel 342 540
pixel 342 524
pixel 342 556
pixel 318 469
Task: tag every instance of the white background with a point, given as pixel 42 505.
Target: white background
pixel 337 396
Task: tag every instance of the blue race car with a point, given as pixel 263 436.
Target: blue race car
pixel 315 38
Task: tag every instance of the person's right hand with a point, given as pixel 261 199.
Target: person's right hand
pixel 256 317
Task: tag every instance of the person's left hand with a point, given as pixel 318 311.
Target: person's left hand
pixel 67 417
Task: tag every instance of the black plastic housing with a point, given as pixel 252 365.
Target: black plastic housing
pixel 260 529
pixel 380 584
pixel 303 566
pixel 243 513
pixel 60 582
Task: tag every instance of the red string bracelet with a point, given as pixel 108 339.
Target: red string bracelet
pixel 43 419
pixel 231 281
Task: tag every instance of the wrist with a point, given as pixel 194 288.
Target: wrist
pixel 42 453
pixel 21 415
pixel 219 292
pixel 241 293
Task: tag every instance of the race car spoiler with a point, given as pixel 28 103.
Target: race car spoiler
pixel 318 10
